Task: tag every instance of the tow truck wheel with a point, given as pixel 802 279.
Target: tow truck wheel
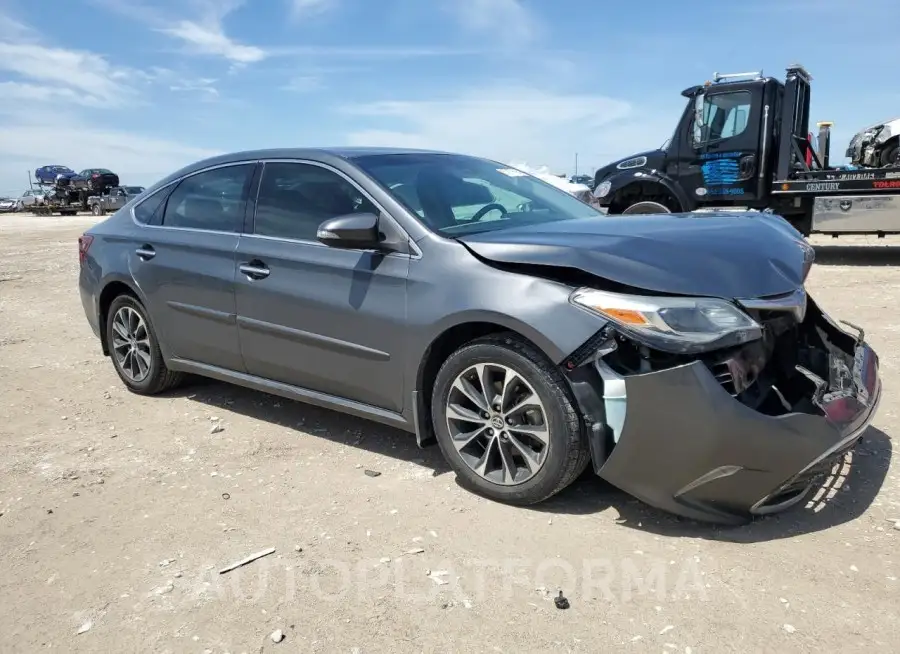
pixel 647 207
pixel 96 210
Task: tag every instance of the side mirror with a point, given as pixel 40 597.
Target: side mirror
pixel 353 231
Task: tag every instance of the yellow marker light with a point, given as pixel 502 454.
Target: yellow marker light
pixel 626 316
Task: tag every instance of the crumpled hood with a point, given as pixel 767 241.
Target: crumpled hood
pixel 722 254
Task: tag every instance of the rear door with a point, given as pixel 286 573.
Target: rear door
pixel 184 262
pixel 324 319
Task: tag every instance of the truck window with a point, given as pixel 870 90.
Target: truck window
pixel 720 116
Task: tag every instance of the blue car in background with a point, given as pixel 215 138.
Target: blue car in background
pixel 53 174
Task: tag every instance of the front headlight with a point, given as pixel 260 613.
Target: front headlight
pixel 678 325
pixel 602 189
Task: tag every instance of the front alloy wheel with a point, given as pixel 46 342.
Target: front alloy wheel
pixel 506 422
pixel 497 423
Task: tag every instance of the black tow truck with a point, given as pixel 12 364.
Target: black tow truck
pixel 743 142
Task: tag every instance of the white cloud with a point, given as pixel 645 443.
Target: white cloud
pixel 42 89
pixel 210 39
pixel 203 86
pixel 514 124
pixel 85 77
pixel 299 9
pixel 507 20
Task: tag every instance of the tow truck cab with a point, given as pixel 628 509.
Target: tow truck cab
pixel 737 135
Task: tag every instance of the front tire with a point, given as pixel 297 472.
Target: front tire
pixel 891 156
pixel 646 207
pixel 505 421
pixel 134 349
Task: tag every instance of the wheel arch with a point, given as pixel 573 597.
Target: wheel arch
pixel 111 290
pixel 450 339
pixel 652 189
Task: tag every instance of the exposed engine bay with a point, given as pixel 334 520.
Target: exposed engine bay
pixel 796 365
pixel 877 146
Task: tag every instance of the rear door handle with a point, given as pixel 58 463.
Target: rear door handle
pixel 146 252
pixel 255 269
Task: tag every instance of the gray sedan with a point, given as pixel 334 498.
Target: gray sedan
pixel 469 303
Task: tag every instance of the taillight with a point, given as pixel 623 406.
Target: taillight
pixel 84 244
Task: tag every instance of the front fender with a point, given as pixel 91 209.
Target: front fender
pixel 606 190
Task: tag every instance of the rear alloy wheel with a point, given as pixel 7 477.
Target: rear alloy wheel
pixel 505 421
pixel 96 210
pixel 134 349
pixel 646 207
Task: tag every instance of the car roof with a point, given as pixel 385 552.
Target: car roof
pixel 346 152
pixel 320 154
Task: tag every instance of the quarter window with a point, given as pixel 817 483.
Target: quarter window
pixel 212 200
pixel 146 210
pixel 295 198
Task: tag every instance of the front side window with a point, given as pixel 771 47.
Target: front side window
pixel 720 116
pixel 295 198
pixel 212 200
pixel 458 194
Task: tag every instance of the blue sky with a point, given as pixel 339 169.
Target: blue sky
pixel 144 87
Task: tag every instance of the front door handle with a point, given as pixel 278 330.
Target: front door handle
pixel 255 269
pixel 146 252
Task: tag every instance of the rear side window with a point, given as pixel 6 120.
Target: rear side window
pixel 212 200
pixel 295 198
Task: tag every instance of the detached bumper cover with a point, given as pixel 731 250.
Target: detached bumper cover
pixel 688 447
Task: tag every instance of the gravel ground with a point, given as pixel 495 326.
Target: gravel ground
pixel 117 513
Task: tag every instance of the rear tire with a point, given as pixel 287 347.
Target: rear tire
pixel 495 466
pixel 96 210
pixel 143 372
pixel 646 207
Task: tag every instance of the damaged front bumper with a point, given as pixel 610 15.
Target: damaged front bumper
pixel 683 441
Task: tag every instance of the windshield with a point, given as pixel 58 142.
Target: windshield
pixel 457 194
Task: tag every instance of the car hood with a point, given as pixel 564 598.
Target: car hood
pixel 715 254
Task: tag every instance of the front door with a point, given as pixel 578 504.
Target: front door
pixel 725 136
pixel 117 200
pixel 184 262
pixel 321 318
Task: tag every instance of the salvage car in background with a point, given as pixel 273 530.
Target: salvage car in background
pixel 680 354
pixel 31 198
pixel 54 174
pixel 95 180
pixel 8 205
pixel 877 146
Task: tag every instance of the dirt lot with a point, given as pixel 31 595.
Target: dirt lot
pixel 117 512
